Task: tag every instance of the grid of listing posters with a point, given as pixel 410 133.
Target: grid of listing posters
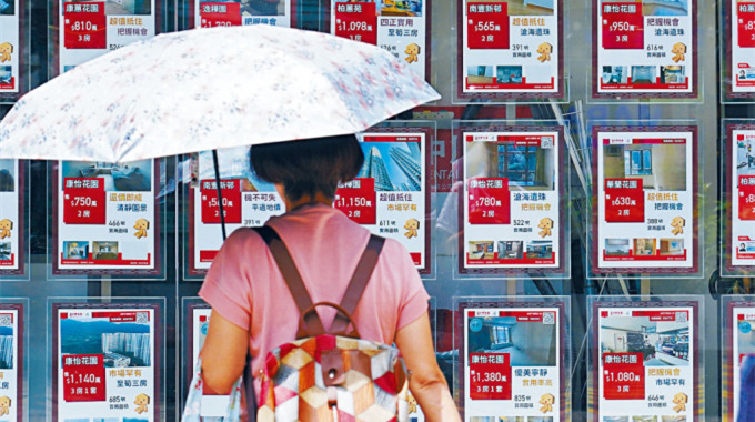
pixel 512 362
pixel 394 25
pixel 739 362
pixel 512 211
pixel 645 49
pixel 11 217
pixel 247 202
pixel 646 359
pixel 740 250
pixel 510 49
pixel 106 217
pixel 106 367
pixel 389 195
pixel 644 199
pixel 741 48
pixel 212 14
pixel 89 29
pixel 11 389
pixel 10 46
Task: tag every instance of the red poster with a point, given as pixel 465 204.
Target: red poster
pixel 625 201
pixel 490 376
pixel 84 201
pixel 83 378
pixel 489 201
pixel 746 201
pixel 84 25
pixel 487 26
pixel 623 26
pixel 356 21
pixel 357 201
pixel 220 14
pixel 231 201
pixel 623 376
pixel 746 25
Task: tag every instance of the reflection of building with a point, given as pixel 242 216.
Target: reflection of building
pixel 374 168
pixel 409 166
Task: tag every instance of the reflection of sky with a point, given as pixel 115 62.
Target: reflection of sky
pixel 397 176
pixel 234 164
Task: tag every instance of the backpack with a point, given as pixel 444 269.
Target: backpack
pixel 332 376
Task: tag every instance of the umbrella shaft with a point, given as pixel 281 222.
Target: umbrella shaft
pixel 220 191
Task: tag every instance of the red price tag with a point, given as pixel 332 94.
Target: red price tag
pixel 746 192
pixel 623 26
pixel 487 26
pixel 625 201
pixel 490 376
pixel 84 201
pixel 84 25
pixel 83 378
pixel 623 376
pixel 231 201
pixel 489 201
pixel 357 201
pixel 356 21
pixel 745 25
pixel 220 14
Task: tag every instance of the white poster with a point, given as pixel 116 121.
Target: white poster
pixel 646 364
pixel 11 407
pixel 107 216
pixel 742 197
pixel 211 14
pixel 742 46
pixel 10 45
pixel 513 358
pixel 512 204
pixel 645 49
pixel 10 217
pixel 645 187
pixel 89 29
pixel 510 47
pixel 105 365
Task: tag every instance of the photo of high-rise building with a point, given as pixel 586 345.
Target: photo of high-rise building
pixel 395 166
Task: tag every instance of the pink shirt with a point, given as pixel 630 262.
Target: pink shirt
pixel 245 286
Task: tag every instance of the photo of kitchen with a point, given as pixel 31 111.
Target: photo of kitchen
pixel 661 343
pixel 527 342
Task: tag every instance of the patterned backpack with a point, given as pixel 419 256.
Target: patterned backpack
pixel 330 376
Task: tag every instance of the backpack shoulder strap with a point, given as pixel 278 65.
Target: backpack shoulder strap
pixel 291 276
pixel 359 280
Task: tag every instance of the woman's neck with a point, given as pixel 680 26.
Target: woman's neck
pixel 319 198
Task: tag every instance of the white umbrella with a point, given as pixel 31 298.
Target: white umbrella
pixel 207 89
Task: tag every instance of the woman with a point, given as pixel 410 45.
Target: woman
pixel 252 307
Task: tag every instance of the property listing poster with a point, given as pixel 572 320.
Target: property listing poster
pixel 510 49
pixel 212 14
pixel 741 197
pixel 10 46
pixel 89 29
pixel 644 200
pixel 739 363
pixel 11 217
pixel 212 405
pixel 645 49
pixel 11 363
pixel 394 25
pixel 645 366
pixel 107 217
pixel 512 201
pixel 512 364
pixel 247 202
pixel 741 48
pixel 389 195
pixel 106 367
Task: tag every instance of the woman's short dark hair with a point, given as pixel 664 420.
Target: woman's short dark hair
pixel 308 166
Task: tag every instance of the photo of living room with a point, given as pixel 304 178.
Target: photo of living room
pixel 7 176
pixel 76 250
pixel 527 7
pixel 527 168
pixel 5 251
pixel 660 342
pixel 528 343
pixel 745 157
pixel 643 74
pixel 481 250
pixel 645 418
pixel 480 74
pixel 401 8
pixel 672 246
pixel 674 418
pixel 511 249
pixel 672 74
pixel 508 75
pixel 105 251
pixel 540 249
pixel 135 176
pixel 661 167
pixel 124 7
pixel 644 246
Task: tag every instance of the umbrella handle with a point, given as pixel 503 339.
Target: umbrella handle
pixel 220 191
